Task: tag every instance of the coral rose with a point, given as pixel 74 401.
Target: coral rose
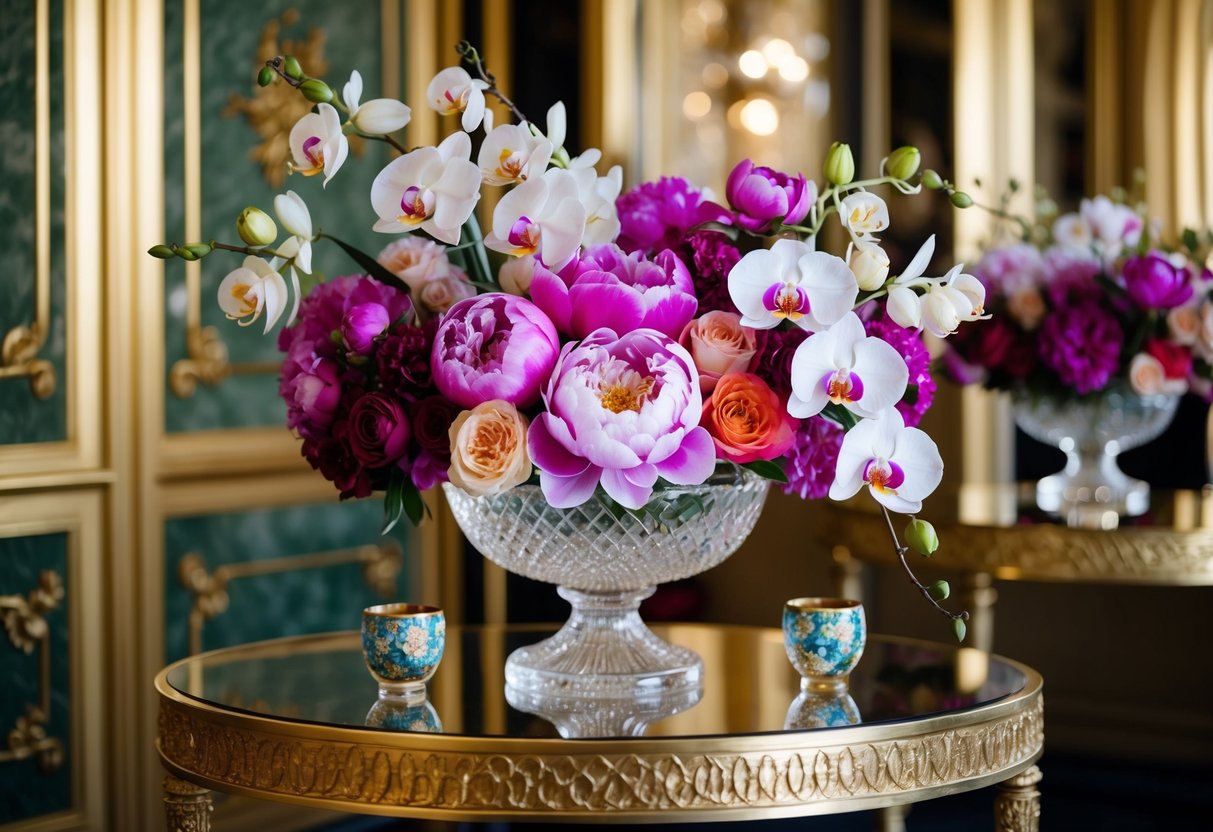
pixel 747 420
pixel 719 344
pixel 489 449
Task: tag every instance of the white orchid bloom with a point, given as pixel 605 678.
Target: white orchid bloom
pixel 1073 231
pixel 1113 224
pixel 557 126
pixel 790 281
pixel 511 154
pixel 869 263
pixel 542 216
pixel 864 215
pixel 590 157
pixel 318 144
pixel 598 195
pixel 252 290
pixel 946 301
pixel 901 466
pixel 846 366
pixel 379 116
pixel 453 90
pixel 432 188
pixel 297 220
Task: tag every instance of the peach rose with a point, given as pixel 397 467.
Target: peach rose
pixel 488 449
pixel 442 293
pixel 1185 324
pixel 719 344
pixel 415 260
pixel 1148 377
pixel 747 420
pixel 1027 307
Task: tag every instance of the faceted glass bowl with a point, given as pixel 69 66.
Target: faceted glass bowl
pixel 605 560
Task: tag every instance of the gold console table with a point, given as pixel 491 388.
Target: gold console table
pixel 288 721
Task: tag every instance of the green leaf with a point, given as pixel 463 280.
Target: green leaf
pixel 414 506
pixel 840 415
pixel 370 265
pixel 477 254
pixel 768 469
pixel 730 231
pixel 393 501
pixel 1190 240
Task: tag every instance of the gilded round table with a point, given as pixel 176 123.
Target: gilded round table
pixel 293 720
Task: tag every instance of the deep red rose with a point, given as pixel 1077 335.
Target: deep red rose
pixel 1176 359
pixel 332 457
pixel 432 418
pixel 378 430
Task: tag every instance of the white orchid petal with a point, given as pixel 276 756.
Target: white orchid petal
pixel 293 214
pixel 904 307
pixel 381 116
pixel 921 260
pixel 884 375
pixel 275 294
pixel 451 82
pixel 297 297
pixel 561 233
pixel 351 93
pixel 919 459
pixel 812 361
pixel 830 284
pixel 336 150
pixel 231 301
pixel 557 124
pixel 455 146
pixel 474 113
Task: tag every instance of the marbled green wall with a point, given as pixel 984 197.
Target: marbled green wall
pixel 286 604
pixel 25 791
pixel 230 181
pixel 22 417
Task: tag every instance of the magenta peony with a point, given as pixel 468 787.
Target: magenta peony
pixel 1082 345
pixel 362 325
pixel 655 215
pixel 1154 283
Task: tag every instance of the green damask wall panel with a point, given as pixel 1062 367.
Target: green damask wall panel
pixel 25 790
pixel 232 30
pixel 22 417
pixel 284 604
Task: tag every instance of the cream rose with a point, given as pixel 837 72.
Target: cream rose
pixel 488 449
pixel 415 260
pixel 1185 324
pixel 1146 375
pixel 442 293
pixel 515 275
pixel 719 344
pixel 1027 307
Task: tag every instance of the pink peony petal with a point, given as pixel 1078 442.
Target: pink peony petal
pixel 548 454
pixel 551 295
pixel 692 463
pixel 611 305
pixel 624 491
pixel 569 492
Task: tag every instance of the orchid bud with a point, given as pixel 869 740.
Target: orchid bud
pixel 870 266
pixel 162 251
pixel 265 77
pixel 922 537
pixel 903 162
pixel 290 66
pixel 960 199
pixel 316 91
pixel 932 180
pixel 959 629
pixel 840 164
pixel 198 249
pixel 940 590
pixel 185 254
pixel 256 227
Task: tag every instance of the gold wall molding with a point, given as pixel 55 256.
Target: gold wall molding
pixel 25 622
pixel 381 565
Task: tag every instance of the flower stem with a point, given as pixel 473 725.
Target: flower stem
pixel 963 615
pixel 469 54
pixel 259 252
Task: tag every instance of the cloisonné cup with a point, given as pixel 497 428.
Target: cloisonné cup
pixel 402 645
pixel 824 638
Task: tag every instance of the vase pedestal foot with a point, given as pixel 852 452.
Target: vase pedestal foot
pixel 604 651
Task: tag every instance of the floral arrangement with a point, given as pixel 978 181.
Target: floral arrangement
pixel 628 340
pixel 1090 302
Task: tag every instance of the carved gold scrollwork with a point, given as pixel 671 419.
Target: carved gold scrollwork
pixel 1017 807
pixel 187 808
pixel 25 622
pixel 381 565
pixel 19 349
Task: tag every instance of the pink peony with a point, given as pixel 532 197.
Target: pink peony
pixel 620 411
pixel 655 215
pixel 362 325
pixel 763 197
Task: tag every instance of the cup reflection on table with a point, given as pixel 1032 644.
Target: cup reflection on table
pixel 822 710
pixel 824 639
pixel 397 713
pixel 402 645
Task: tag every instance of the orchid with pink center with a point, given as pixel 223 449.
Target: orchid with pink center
pixel 512 154
pixel 542 216
pixel 792 282
pixel 432 188
pixel 318 144
pixel 619 291
pixel 620 411
pixel 900 466
pixel 846 366
pixel 453 90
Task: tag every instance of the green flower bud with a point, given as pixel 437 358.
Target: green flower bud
pixel 316 91
pixel 960 199
pixel 162 251
pixel 290 66
pixel 932 180
pixel 959 629
pixel 840 164
pixel 198 249
pixel 265 77
pixel 940 590
pixel 921 537
pixel 256 227
pixel 903 162
pixel 185 254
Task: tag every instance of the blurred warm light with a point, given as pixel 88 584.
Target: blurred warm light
pixel 776 51
pixel 794 68
pixel 734 114
pixel 697 104
pixel 752 63
pixel 712 11
pixel 759 117
pixel 715 75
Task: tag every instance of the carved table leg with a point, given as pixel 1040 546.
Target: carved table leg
pixel 892 819
pixel 187 808
pixel 1017 807
pixel 978 597
pixel 847 572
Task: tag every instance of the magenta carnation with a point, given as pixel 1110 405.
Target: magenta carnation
pixel 654 215
pixel 773 361
pixel 813 459
pixel 1082 345
pixel 710 256
pixel 920 388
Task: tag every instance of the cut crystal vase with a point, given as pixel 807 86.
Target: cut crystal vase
pixel 605 560
pixel 1092 491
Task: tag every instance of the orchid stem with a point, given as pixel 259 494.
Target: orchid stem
pixel 469 54
pixel 963 615
pixel 259 252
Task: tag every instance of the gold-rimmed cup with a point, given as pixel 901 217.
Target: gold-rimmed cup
pixel 824 639
pixel 402 645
